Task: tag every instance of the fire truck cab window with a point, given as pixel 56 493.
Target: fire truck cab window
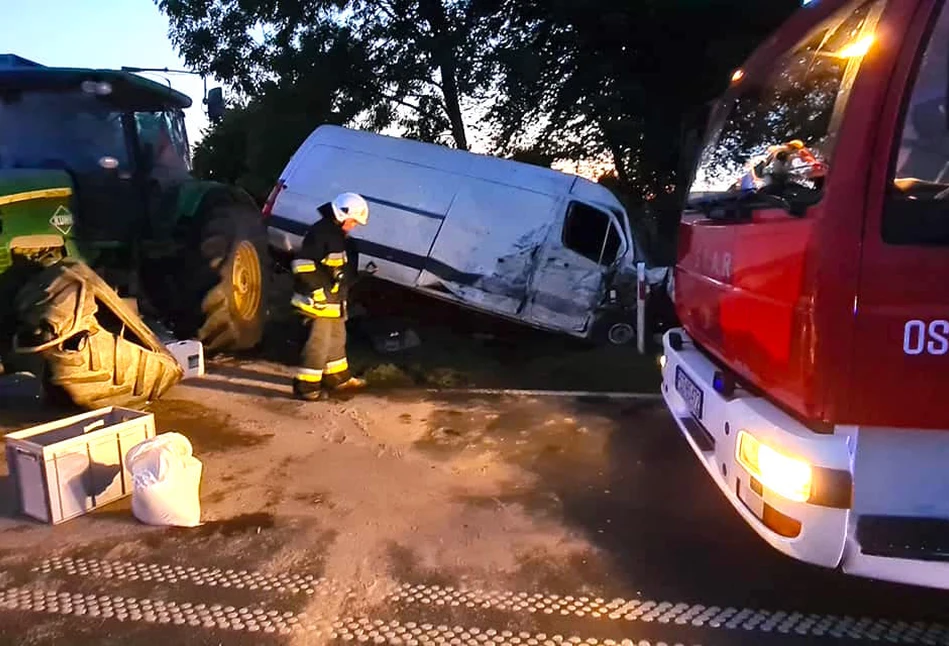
pixel 778 132
pixel 917 212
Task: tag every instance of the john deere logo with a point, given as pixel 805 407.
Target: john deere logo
pixel 62 220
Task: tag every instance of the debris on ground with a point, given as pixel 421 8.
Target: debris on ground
pixel 19 387
pixel 390 335
pixel 388 375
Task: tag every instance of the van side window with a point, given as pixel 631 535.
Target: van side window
pixel 589 232
pixel 779 132
pixel 917 211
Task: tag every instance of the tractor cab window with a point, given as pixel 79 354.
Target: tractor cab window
pixel 68 130
pixel 917 211
pixel 778 134
pixel 164 143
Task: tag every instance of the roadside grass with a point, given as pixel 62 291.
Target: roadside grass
pixel 462 349
pixel 459 349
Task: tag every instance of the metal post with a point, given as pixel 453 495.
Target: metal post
pixel 641 307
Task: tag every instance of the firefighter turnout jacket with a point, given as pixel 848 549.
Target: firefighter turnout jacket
pixel 324 269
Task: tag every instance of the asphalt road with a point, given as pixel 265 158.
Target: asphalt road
pixel 419 520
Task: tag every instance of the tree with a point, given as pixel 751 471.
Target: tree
pixel 251 145
pixel 409 63
pixel 619 79
pixel 279 103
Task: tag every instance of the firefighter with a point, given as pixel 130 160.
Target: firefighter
pixel 323 274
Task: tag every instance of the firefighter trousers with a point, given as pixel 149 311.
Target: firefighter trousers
pixel 323 363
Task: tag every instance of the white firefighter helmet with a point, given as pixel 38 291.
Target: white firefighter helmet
pixel 350 206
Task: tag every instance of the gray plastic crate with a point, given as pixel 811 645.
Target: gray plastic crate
pixel 69 467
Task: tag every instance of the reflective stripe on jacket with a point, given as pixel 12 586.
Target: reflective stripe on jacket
pixel 324 269
pixel 315 309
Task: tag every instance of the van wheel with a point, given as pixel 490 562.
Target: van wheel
pixel 613 330
pixel 621 333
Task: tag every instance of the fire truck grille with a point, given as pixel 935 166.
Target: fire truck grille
pixel 925 539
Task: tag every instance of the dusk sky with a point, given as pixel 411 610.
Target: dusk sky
pixel 100 33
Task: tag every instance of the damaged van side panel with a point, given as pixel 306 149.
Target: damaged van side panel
pixel 585 245
pixel 490 240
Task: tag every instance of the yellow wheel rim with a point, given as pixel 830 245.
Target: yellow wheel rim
pixel 246 281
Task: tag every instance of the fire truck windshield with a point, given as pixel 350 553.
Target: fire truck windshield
pixel 777 133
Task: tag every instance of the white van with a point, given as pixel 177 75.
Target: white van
pixel 523 242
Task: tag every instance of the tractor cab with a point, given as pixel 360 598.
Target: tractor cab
pixel 105 237
pixel 120 137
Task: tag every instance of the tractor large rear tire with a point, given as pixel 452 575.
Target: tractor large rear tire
pixel 86 344
pixel 223 281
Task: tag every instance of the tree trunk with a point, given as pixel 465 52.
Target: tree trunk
pixel 619 163
pixel 443 53
pixel 452 103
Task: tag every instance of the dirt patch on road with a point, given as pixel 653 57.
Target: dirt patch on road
pixel 209 430
pixel 368 493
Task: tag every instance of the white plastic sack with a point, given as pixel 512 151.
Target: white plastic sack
pixel 166 481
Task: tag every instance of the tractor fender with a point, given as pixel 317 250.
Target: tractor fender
pixel 197 196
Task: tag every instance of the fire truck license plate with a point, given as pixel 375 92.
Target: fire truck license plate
pixel 690 392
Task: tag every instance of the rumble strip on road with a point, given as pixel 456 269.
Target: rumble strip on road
pixel 632 615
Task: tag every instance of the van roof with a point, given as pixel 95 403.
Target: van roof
pixel 503 171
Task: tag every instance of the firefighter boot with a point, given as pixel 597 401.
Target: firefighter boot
pixel 307 390
pixel 351 384
pixel 347 389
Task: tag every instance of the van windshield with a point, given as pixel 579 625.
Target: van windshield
pixel 778 133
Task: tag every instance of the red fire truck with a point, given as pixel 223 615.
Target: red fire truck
pixel 810 372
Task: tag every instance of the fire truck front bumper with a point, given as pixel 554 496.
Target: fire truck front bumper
pixel 791 485
pixel 795 487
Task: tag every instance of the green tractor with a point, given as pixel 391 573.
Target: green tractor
pixel 102 227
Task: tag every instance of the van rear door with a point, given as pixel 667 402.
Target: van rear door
pixel 568 278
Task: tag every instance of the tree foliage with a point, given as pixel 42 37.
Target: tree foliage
pixel 544 79
pixel 253 143
pixel 410 63
pixel 619 79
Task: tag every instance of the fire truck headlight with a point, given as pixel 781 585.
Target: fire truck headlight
pixel 786 476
